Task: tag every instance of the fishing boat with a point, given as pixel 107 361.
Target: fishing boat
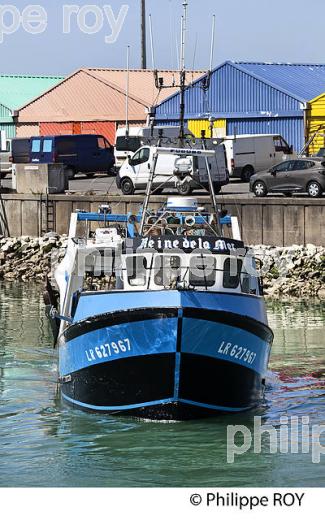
pixel 160 314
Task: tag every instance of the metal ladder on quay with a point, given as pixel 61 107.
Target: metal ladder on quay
pixel 4 228
pixel 47 215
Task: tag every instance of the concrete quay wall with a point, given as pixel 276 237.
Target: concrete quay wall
pixel 270 221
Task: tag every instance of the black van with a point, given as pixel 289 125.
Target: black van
pixel 82 153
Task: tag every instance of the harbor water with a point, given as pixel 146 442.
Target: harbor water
pixel 46 443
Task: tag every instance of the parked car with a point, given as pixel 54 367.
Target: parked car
pixel 248 154
pixel 82 153
pixel 5 153
pixel 301 175
pixel 172 171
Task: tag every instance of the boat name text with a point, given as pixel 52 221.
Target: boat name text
pixel 187 244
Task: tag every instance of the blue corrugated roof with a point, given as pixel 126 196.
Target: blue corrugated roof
pixel 303 80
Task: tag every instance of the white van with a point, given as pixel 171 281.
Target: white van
pixel 137 136
pixel 126 144
pixel 248 154
pixel 172 171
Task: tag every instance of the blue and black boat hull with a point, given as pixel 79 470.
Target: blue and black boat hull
pixel 165 363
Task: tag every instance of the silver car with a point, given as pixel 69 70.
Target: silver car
pixel 295 176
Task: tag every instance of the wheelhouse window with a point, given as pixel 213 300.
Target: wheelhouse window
pixel 202 271
pixel 231 273
pixel 136 267
pixel 167 270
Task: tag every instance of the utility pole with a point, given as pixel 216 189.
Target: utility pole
pixel 143 35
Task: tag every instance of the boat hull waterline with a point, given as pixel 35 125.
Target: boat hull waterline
pixel 169 363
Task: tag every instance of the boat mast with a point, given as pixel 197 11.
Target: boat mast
pixel 159 81
pixel 183 75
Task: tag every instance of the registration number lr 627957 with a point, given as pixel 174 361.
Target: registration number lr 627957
pixel 108 350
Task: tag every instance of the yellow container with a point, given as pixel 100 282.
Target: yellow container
pixel 197 125
pixel 316 123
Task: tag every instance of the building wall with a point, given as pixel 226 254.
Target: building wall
pixel 6 122
pixel 9 128
pixel 55 128
pixel 292 129
pixel 27 129
pixel 107 129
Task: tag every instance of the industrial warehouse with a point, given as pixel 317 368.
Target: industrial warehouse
pixel 256 98
pixel 93 101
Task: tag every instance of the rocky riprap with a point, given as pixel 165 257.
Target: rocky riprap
pixel 30 259
pixel 295 271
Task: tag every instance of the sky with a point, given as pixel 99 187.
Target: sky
pixel 63 38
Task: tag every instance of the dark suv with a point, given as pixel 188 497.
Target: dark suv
pixel 295 176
